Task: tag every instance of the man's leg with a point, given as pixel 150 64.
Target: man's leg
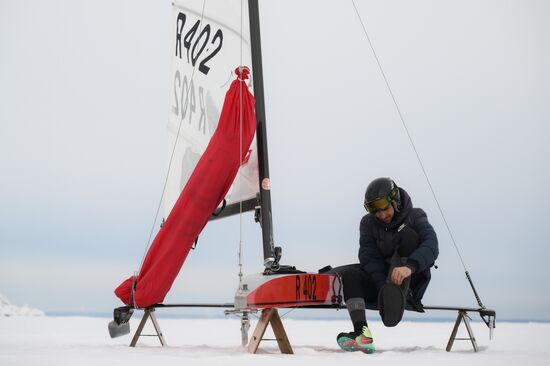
pixel 407 245
pixel 356 287
pixel 393 298
pixel 408 241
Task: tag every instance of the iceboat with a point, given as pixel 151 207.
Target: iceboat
pixel 217 131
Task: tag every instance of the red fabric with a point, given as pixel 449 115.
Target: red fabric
pixel 206 188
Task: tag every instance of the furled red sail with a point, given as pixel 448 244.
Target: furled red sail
pixel 204 191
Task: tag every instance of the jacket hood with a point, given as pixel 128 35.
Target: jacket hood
pixel 398 217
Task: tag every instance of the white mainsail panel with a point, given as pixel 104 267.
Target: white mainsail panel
pixel 210 39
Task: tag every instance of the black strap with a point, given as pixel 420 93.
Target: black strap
pixel 213 214
pixel 221 209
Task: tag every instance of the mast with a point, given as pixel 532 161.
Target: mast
pixel 270 256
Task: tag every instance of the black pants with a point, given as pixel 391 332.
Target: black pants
pixel 357 283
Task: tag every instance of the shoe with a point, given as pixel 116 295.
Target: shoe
pixel 357 341
pixel 391 304
pixel 364 341
pixel 346 341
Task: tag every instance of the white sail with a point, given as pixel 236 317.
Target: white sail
pixel 210 39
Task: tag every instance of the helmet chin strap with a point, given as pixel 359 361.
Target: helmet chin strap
pixel 396 200
pixel 395 206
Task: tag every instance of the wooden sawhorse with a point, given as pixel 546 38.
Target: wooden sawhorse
pixel 462 316
pixel 488 316
pixel 148 313
pixel 270 316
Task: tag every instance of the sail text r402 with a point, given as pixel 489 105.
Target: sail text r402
pixel 196 41
pixel 185 102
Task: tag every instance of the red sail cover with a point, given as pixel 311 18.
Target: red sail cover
pixel 204 191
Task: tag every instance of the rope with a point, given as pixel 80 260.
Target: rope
pixel 415 151
pixel 288 312
pixel 169 163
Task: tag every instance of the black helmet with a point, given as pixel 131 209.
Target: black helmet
pixel 380 193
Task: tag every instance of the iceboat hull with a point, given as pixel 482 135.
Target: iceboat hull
pixel 259 291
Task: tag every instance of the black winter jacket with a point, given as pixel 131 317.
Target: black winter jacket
pixel 378 241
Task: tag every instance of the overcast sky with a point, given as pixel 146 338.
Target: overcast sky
pixel 84 101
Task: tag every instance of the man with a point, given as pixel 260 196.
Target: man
pixel 397 247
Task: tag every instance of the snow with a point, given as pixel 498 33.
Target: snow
pixel 26 340
pixel 8 309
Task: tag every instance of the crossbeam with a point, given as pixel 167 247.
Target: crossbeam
pixel 270 316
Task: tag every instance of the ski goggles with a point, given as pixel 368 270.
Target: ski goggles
pixel 379 204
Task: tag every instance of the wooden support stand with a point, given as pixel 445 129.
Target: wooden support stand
pixel 270 315
pixel 149 313
pixel 462 316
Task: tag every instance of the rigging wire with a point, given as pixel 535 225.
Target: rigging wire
pixel 287 312
pixel 417 154
pixel 169 163
pixel 239 172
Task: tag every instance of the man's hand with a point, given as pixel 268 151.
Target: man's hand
pixel 399 274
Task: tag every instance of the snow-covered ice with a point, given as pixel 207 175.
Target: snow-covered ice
pixel 85 341
pixel 8 309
